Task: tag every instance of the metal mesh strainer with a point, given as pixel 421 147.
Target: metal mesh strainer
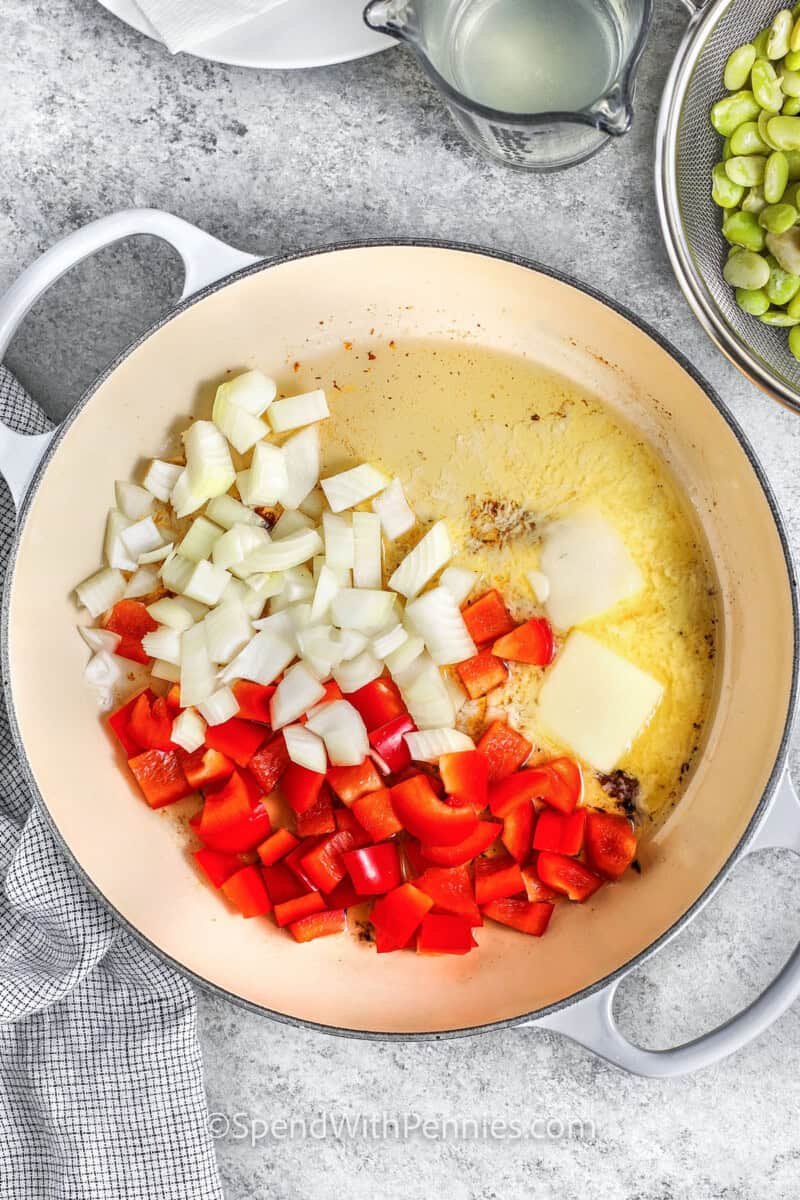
pixel 687 149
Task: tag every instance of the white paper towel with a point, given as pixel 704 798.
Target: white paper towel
pixel 185 24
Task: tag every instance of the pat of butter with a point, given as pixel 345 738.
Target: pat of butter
pixel 595 702
pixel 588 567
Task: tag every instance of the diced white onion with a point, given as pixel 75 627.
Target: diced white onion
pixel 198 678
pixel 186 498
pixel 163 643
pixel 339 542
pixel 209 469
pixel 351 643
pixel 102 672
pixel 235 544
pixel 157 555
pixel 143 581
pixel 540 585
pixel 436 617
pixel 99 639
pixel 266 480
pixel 298 587
pixel 194 607
pixel 279 624
pixel 290 521
pixel 239 426
pixel 141 537
pixel 219 707
pixel 426 697
pixel 420 565
pixel 101 591
pixel 358 672
pixel 200 540
pixel 305 748
pixel 171 612
pixel 164 670
pixel 389 640
pixel 401 658
pixel 459 581
pixel 189 730
pixel 428 745
pixel 176 573
pixel 455 691
pixel 262 659
pixel 296 411
pixel 228 630
pixel 393 509
pixel 314 504
pixel 302 457
pixel 298 691
pixel 367 550
pixel 300 615
pixel 206 583
pixel 161 478
pixel 342 729
pixel 260 588
pixel 252 391
pixel 364 609
pixel 134 502
pixel 326 588
pixel 227 512
pixel 116 552
pixel 291 551
pixel 349 488
pixel 319 646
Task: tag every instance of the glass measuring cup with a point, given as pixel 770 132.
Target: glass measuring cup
pixel 539 140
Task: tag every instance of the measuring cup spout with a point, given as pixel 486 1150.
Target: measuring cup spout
pixel 614 114
pixel 394 17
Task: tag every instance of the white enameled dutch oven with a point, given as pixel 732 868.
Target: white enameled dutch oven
pixel 239 311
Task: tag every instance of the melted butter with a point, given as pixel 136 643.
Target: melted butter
pixel 464 427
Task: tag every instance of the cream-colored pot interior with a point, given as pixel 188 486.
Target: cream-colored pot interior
pixel 296 310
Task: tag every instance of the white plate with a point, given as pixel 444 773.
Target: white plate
pixel 300 33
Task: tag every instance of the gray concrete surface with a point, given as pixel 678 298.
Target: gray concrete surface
pixel 96 118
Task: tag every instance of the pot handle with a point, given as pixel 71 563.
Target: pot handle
pixel 591 1023
pixel 205 259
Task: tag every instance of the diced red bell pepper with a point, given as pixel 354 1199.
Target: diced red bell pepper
pixel 531 642
pixel 325 864
pixel 481 674
pixel 246 891
pixel 610 843
pixel 496 878
pixel 531 917
pixel 253 700
pixel 319 818
pixel 534 888
pixel 505 750
pixel 159 775
pixel 317 925
pixel 346 819
pixel 374 811
pixel 207 768
pixel 374 869
pixel 217 867
pixel 397 916
pixel 301 787
pixel 567 876
pixel 294 861
pixel 481 838
pixel 559 832
pixel 252 786
pixel 378 702
pixel 517 832
pixel 269 763
pixel 302 906
pixel 277 846
pixel 344 895
pixel 450 889
pixel 131 620
pixel 282 884
pixel 390 742
pixel 430 772
pixel 173 699
pixel 230 821
pixel 428 818
pixel 120 724
pixel 442 933
pixel 236 738
pixel 567 785
pixel 465 776
pixel 487 618
pixel 534 783
pixel 332 692
pixel 351 782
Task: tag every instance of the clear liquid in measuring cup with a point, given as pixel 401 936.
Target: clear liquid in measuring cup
pixel 529 56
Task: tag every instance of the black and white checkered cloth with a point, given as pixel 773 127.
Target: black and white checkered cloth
pixel 101 1086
